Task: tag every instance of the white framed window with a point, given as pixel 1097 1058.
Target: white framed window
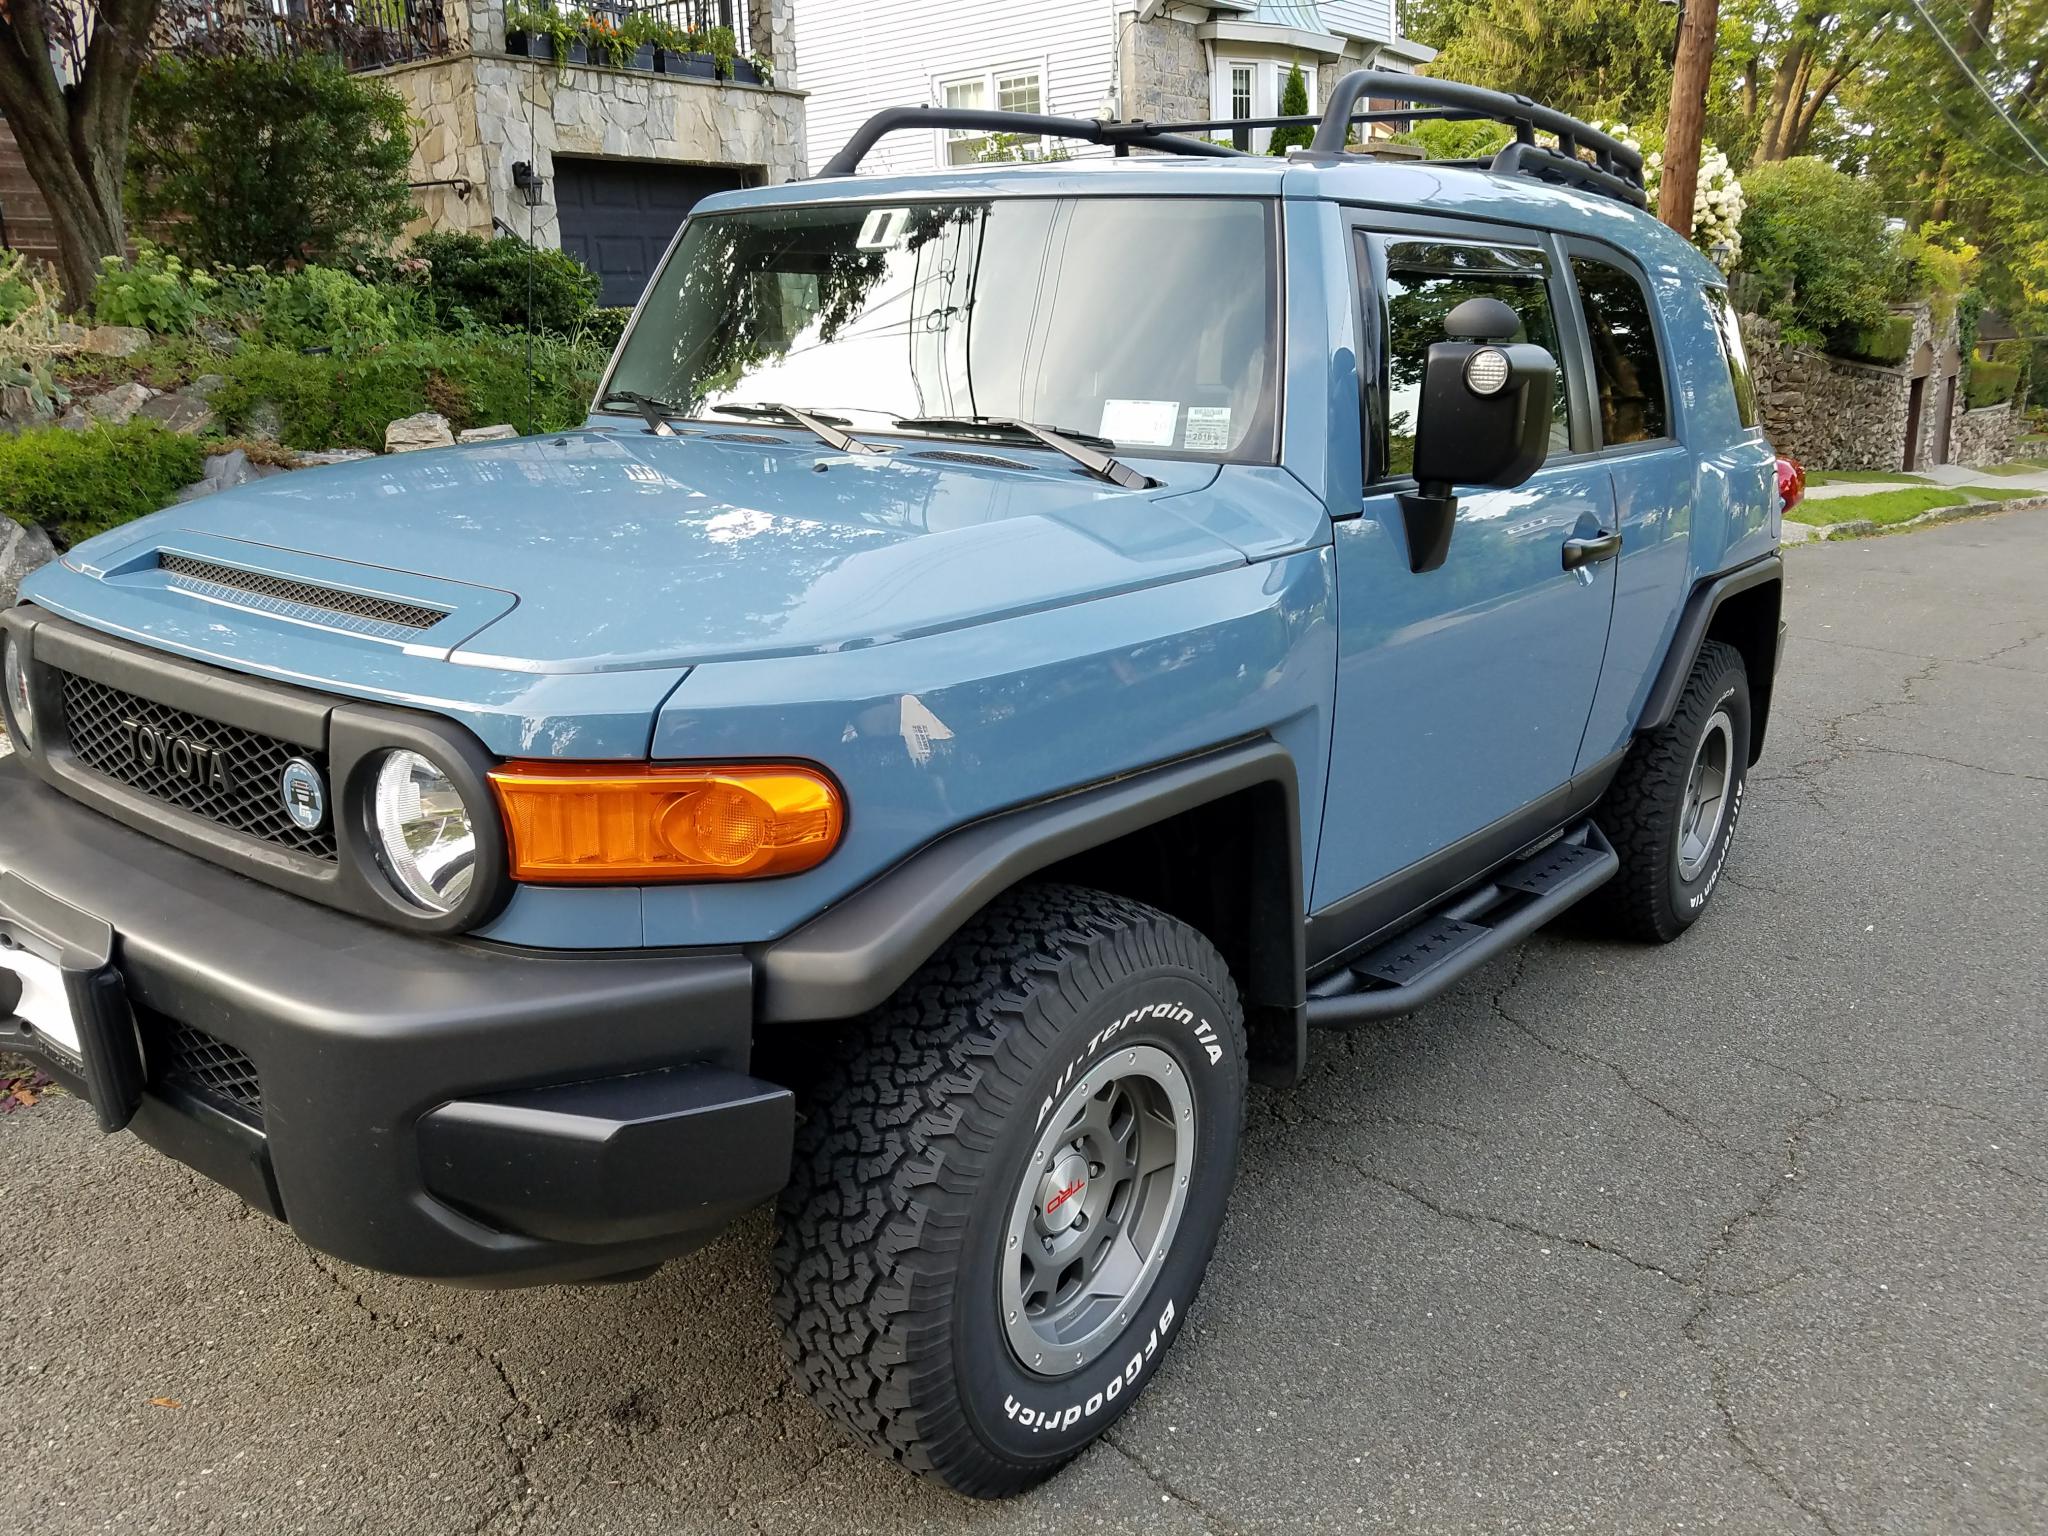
pixel 1018 88
pixel 1252 88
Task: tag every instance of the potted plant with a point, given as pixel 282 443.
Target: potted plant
pixel 689 56
pixel 537 32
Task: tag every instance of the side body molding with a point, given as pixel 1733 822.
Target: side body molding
pixel 855 955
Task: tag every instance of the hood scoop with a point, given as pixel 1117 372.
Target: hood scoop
pixel 309 602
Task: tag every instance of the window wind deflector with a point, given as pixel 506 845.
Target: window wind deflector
pixel 655 413
pixel 826 428
pixel 1074 445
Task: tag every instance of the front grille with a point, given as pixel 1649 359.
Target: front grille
pixel 104 724
pixel 191 1059
pixel 299 599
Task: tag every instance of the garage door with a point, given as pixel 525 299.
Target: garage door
pixel 617 216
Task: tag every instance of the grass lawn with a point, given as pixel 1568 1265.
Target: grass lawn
pixel 1866 477
pixel 2016 467
pixel 1886 507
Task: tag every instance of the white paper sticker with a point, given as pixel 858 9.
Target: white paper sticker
pixel 884 229
pixel 1208 427
pixel 1150 422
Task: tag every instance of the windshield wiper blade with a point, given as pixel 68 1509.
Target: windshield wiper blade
pixel 1074 445
pixel 655 413
pixel 825 427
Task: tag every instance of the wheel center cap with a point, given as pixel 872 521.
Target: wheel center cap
pixel 1061 1191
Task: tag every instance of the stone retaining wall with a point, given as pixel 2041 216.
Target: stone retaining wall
pixel 1987 436
pixel 1165 71
pixel 484 112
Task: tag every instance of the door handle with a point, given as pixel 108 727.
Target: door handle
pixel 1602 546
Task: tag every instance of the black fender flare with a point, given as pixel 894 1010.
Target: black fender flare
pixel 1695 621
pixel 851 957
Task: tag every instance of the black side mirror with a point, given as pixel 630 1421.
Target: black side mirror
pixel 1482 420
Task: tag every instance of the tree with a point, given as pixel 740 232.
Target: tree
pixel 67 72
pixel 1597 59
pixel 1293 103
pixel 250 157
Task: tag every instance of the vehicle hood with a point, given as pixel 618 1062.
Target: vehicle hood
pixel 604 549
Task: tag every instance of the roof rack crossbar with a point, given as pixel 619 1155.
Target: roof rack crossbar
pixel 1616 170
pixel 1121 136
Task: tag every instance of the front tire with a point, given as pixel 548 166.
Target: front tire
pixel 1671 811
pixel 1008 1186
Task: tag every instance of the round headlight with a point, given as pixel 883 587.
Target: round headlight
pixel 16 682
pixel 426 832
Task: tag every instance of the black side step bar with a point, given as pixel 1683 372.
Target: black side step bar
pixel 1421 961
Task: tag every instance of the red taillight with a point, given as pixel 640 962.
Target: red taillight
pixel 1791 484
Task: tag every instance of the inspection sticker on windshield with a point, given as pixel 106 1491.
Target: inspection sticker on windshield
pixel 1141 421
pixel 1208 427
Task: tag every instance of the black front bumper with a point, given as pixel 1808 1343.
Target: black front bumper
pixel 421 1105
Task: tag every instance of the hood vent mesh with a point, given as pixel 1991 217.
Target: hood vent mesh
pixel 304 600
pixel 981 460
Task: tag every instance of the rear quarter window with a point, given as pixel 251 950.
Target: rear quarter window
pixel 1732 353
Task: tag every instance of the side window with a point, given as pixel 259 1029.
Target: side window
pixel 1733 355
pixel 1425 282
pixel 1627 373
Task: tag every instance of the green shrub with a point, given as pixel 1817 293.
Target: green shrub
pixel 1815 239
pixel 156 291
pixel 80 483
pixel 1445 139
pixel 249 158
pixel 1885 343
pixel 1293 102
pixel 321 307
pixel 347 401
pixel 601 332
pixel 1990 384
pixel 470 280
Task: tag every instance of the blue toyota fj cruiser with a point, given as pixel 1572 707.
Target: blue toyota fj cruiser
pixel 1011 649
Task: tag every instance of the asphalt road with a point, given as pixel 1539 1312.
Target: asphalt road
pixel 1747 1234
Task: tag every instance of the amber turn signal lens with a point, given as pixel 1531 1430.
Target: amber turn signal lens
pixel 602 823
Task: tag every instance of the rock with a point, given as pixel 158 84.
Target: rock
pixel 72 338
pixel 263 424
pixel 496 434
pixel 116 340
pixel 20 406
pixel 428 429
pixel 112 409
pixel 23 548
pixel 219 338
pixel 204 386
pixel 333 456
pixel 225 471
pixel 182 412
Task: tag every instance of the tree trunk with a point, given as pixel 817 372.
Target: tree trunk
pixel 1788 72
pixel 74 137
pixel 1687 120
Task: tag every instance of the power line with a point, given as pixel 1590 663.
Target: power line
pixel 1982 89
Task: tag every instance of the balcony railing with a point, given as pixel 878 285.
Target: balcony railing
pixel 361 34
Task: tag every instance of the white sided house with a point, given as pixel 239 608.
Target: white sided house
pixel 1155 59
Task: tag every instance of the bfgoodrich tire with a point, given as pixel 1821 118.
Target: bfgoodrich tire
pixel 1671 811
pixel 1008 1185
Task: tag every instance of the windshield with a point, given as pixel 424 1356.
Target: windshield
pixel 1147 321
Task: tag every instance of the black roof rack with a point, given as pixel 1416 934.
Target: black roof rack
pixel 1615 170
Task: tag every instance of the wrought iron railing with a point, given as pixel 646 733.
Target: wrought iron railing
pixel 362 34
pixel 684 15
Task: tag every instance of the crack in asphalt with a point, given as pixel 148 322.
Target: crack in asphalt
pixel 1171 1490
pixel 1800 637
pixel 1620 1073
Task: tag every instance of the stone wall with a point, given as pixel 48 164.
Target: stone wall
pixel 481 113
pixel 1823 411
pixel 1987 436
pixel 1165 71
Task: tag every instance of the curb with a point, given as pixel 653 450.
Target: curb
pixel 1862 527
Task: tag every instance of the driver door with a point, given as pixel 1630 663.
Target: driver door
pixel 1462 693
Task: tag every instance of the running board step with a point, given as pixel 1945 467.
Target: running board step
pixel 1422 961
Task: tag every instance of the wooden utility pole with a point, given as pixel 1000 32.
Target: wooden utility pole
pixel 1687 119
